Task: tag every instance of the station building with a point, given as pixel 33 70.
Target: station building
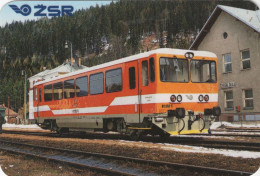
pixel 233 34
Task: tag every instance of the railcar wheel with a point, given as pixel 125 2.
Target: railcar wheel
pixel 60 131
pixel 164 135
pixel 134 135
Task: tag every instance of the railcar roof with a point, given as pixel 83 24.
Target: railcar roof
pixel 132 58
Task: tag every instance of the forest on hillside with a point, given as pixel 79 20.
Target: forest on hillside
pixel 98 34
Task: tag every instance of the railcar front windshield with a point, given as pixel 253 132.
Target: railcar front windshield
pixel 174 70
pixel 203 71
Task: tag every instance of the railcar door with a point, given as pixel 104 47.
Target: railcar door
pixel 147 86
pixel 37 103
pixel 133 90
pixel 38 100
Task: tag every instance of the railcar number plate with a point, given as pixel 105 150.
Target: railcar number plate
pixel 167 106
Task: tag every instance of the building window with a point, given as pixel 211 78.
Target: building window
pixel 57 91
pixel 229 104
pixel 132 78
pixel 114 80
pixel 227 63
pixel 248 98
pixel 82 86
pixel 225 35
pixel 69 91
pixel 96 83
pixel 245 56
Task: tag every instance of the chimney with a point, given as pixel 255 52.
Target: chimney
pixel 79 62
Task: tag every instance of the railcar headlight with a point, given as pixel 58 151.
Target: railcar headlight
pixel 201 98
pixel 158 119
pixel 173 98
pixel 189 55
pixel 206 98
pixel 179 98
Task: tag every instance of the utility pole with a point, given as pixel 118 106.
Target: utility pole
pixel 24 73
pixel 8 107
pixel 5 52
pixel 71 55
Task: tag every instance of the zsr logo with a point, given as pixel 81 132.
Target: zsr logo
pixel 54 11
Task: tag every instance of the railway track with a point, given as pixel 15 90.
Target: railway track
pixel 194 141
pixel 197 134
pixel 238 130
pixel 104 163
pixel 230 135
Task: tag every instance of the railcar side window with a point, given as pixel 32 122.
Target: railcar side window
pixel 69 91
pixel 114 80
pixel 151 66
pixel 203 71
pixel 57 91
pixel 132 78
pixel 40 95
pixel 145 80
pixel 96 83
pixel 82 86
pixel 48 92
pixel 35 94
pixel 174 70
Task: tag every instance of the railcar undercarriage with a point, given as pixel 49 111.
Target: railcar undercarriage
pixel 174 122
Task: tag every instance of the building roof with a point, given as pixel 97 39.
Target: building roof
pixel 11 112
pixel 64 68
pixel 40 74
pixel 249 17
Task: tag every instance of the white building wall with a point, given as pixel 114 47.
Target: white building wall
pixel 240 37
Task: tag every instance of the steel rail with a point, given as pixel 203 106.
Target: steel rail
pixel 226 135
pixel 194 141
pixel 234 145
pixel 138 160
pixel 70 163
pixel 191 140
pixel 239 130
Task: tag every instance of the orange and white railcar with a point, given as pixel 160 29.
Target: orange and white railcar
pixel 164 91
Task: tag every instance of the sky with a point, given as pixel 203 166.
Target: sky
pixel 7 15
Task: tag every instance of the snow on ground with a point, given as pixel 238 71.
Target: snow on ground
pixel 237 133
pixel 20 126
pixel 216 125
pixel 231 153
pixel 257 173
pixel 208 136
pixel 194 149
